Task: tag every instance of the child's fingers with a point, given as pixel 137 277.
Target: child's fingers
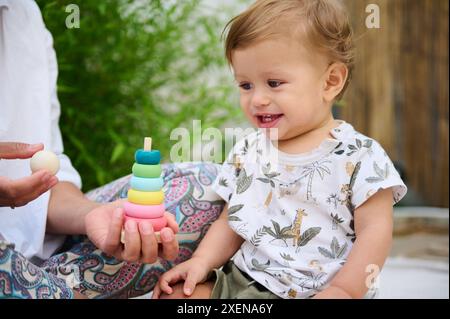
pixel 169 278
pixel 165 287
pixel 156 292
pixel 191 281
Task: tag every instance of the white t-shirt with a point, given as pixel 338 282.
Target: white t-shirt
pixel 295 212
pixel 29 113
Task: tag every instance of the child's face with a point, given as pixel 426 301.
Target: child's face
pixel 281 86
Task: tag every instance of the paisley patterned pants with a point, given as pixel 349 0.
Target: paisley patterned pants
pixel 83 267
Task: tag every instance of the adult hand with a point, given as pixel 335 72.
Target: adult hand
pixel 104 225
pixel 13 150
pixel 19 192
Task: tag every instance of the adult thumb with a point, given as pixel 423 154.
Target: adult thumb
pixel 14 150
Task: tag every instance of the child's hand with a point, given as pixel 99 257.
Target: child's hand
pixel 192 271
pixel 332 292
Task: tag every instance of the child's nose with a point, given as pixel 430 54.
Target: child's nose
pixel 260 99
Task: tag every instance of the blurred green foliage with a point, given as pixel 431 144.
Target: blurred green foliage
pixel 136 68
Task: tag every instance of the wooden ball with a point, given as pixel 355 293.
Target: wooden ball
pixel 45 160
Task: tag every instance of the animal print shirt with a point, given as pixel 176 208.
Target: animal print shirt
pixel 295 212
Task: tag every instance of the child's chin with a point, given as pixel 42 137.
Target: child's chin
pixel 272 133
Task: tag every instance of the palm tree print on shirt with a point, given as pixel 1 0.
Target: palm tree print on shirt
pixel 336 220
pixel 310 170
pixel 334 200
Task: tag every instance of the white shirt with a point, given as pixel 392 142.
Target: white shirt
pixel 295 211
pixel 29 113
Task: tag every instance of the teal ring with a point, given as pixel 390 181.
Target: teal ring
pixel 147 157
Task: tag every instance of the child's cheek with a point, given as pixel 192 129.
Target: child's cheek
pixel 245 104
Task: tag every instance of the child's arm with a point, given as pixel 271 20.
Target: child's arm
pixel 373 227
pixel 220 242
pixel 216 248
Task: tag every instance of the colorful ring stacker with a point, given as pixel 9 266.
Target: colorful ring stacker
pixel 158 223
pixel 145 198
pixel 146 184
pixel 147 157
pixel 146 171
pixel 143 211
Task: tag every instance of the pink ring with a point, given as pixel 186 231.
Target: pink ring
pixel 158 223
pixel 143 211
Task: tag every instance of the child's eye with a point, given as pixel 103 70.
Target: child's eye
pixel 274 83
pixel 245 86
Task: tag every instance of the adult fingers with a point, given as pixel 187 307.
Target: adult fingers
pixel 149 249
pixel 13 150
pixel 171 222
pixel 132 250
pixel 26 189
pixel 46 182
pixel 118 202
pixel 169 244
pixel 112 242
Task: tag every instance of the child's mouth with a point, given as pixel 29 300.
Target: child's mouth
pixel 268 120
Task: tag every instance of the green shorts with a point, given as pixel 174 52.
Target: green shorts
pixel 232 283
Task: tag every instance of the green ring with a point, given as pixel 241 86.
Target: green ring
pixel 146 171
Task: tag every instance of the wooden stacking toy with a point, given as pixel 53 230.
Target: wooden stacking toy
pixel 145 200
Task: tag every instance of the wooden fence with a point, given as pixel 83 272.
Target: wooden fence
pixel 399 91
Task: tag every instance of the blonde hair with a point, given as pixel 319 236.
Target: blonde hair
pixel 324 23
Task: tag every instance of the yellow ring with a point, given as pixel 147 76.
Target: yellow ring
pixel 145 198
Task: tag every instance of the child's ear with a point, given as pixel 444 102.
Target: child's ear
pixel 335 79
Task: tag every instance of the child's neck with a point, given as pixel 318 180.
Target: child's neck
pixel 309 140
